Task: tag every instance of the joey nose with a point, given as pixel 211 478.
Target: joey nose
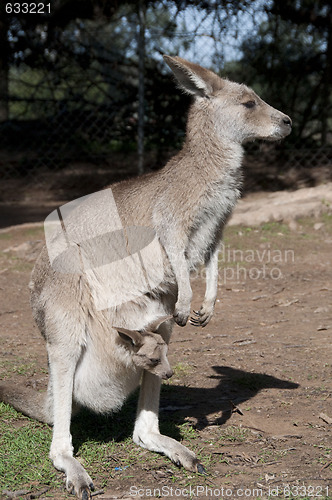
pixel 168 374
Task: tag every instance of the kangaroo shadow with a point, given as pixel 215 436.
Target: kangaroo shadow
pixel 234 387
pixel 179 402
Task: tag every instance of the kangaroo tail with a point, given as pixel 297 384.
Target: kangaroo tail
pixel 27 401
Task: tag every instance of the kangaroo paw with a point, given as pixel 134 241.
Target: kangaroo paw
pixel 77 486
pixel 201 317
pixel 78 481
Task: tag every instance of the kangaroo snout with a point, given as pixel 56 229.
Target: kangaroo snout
pixel 286 125
pixel 282 126
pixel 287 121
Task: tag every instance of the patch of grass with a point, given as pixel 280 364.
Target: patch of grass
pixel 187 431
pixel 327 219
pixel 9 415
pixel 182 370
pixel 321 496
pixel 22 266
pixel 306 222
pixel 24 452
pixel 307 225
pixel 210 460
pixel 98 458
pixel 6 236
pixel 35 232
pixel 275 228
pixel 273 454
pixel 24 462
pixel 233 433
pixel 242 238
pixel 8 367
pixel 326 457
pixel 27 369
pixel 14 263
pixel 238 236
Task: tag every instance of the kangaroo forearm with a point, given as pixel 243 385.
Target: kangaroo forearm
pixel 212 272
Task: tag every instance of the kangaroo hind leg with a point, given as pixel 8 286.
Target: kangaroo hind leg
pixel 63 364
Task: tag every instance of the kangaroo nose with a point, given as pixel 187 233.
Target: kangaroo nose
pixel 169 374
pixel 287 121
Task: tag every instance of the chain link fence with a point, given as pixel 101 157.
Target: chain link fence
pixel 74 115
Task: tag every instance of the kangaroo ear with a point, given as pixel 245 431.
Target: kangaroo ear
pixel 132 337
pixel 152 327
pixel 192 78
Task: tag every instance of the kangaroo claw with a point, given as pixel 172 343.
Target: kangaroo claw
pixel 86 495
pixel 200 469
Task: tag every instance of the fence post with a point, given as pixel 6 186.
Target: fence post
pixel 141 71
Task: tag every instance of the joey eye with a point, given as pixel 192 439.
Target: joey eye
pixel 249 104
pixel 154 361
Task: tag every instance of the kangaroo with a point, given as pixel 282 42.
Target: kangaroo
pixel 165 224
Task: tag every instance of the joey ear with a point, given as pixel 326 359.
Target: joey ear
pixel 132 337
pixel 192 78
pixel 152 327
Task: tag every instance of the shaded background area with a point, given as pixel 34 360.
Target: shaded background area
pixel 85 98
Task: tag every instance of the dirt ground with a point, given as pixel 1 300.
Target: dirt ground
pixel 254 387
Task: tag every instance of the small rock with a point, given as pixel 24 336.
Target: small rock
pixel 321 310
pixel 293 225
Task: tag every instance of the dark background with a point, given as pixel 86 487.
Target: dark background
pixel 71 119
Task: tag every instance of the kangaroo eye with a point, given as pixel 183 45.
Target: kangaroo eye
pixel 249 104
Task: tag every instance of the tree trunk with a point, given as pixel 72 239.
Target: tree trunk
pixel 4 69
pixel 141 71
pixel 327 84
